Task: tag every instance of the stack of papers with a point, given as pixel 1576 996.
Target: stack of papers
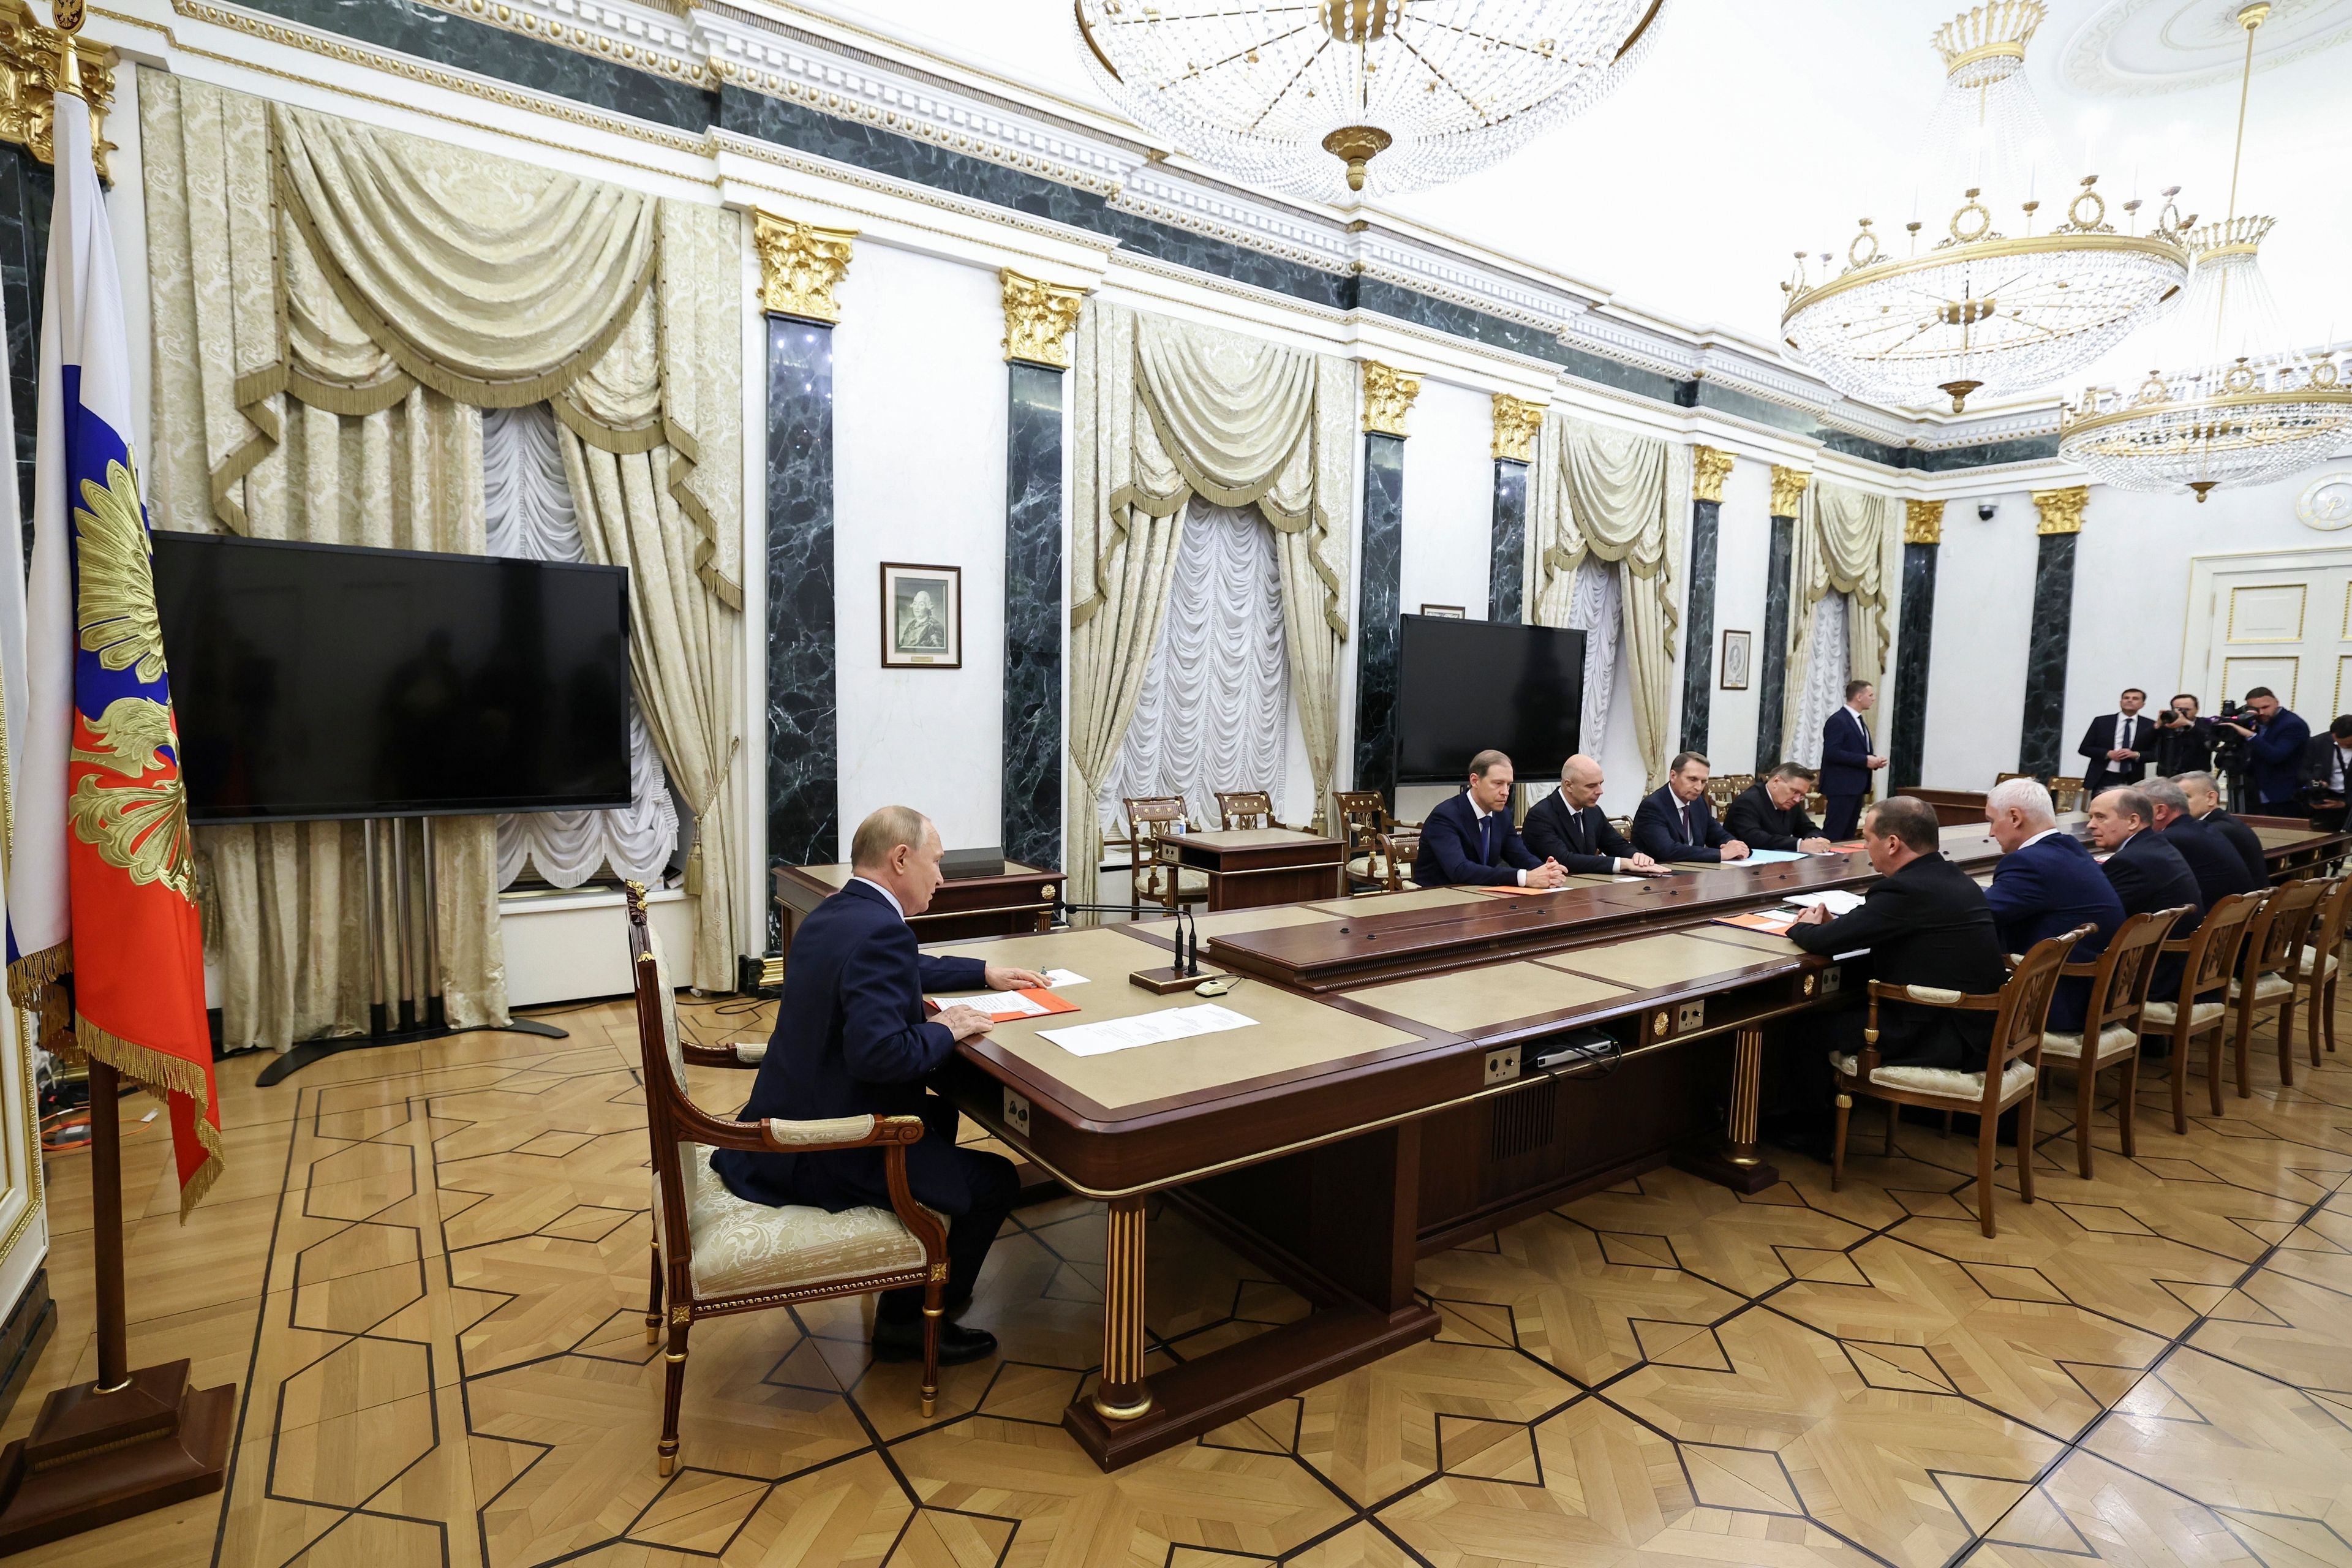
pixel 1145 1029
pixel 1837 903
pixel 1001 1006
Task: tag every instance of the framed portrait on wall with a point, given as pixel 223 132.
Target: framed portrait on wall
pixel 1734 664
pixel 922 616
pixel 1444 612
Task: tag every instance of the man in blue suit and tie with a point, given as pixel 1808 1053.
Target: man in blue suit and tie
pixel 2275 737
pixel 2046 884
pixel 1675 824
pixel 1469 841
pixel 1847 761
pixel 853 1040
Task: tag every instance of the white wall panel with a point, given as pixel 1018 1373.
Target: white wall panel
pixel 1743 555
pixel 1984 612
pixel 918 459
pixel 1449 500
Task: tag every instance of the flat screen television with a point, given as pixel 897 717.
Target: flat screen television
pixel 1466 686
pixel 315 681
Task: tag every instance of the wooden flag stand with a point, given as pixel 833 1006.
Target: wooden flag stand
pixel 129 1441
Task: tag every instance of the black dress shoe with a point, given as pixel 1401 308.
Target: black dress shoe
pixel 958 1344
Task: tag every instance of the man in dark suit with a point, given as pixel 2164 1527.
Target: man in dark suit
pixel 2046 884
pixel 1675 824
pixel 2147 872
pixel 1469 842
pixel 2117 742
pixel 2184 742
pixel 1847 761
pixel 1570 826
pixel 852 1039
pixel 1771 812
pixel 2275 738
pixel 2327 771
pixel 1925 922
pixel 2203 792
pixel 2212 859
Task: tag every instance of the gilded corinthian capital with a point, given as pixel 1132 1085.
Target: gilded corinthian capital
pixel 1709 467
pixel 1038 317
pixel 1922 522
pixel 1788 489
pixel 2062 511
pixel 1387 398
pixel 1517 421
pixel 799 265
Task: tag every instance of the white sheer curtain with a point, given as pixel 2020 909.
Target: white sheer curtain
pixel 527 506
pixel 1824 680
pixel 1215 710
pixel 1597 608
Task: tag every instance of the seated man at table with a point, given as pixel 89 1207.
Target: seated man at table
pixel 1771 812
pixel 1570 826
pixel 1924 922
pixel 2203 792
pixel 1675 824
pixel 2145 869
pixel 2046 884
pixel 1469 842
pixel 852 1039
pixel 2211 858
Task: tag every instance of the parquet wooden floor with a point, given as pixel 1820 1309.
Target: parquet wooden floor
pixel 426 1271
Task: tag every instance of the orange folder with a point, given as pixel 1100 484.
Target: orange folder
pixel 1047 1004
pixel 1759 920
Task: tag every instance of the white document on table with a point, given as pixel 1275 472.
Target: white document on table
pixel 996 1004
pixel 1057 978
pixel 1837 903
pixel 1145 1029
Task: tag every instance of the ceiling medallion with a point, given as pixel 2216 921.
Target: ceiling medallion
pixel 1333 99
pixel 1982 309
pixel 2239 407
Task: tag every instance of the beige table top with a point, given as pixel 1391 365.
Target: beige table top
pixel 1474 998
pixel 1292 1033
pixel 1249 838
pixel 1654 963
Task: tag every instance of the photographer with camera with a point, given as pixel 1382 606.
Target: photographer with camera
pixel 2184 742
pixel 2275 737
pixel 2326 762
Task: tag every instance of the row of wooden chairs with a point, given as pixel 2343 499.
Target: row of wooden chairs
pixel 2272 949
pixel 2065 792
pixel 1153 874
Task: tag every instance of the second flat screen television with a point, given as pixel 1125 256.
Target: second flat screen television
pixel 1466 686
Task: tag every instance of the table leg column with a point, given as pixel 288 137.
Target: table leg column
pixel 1746 1091
pixel 1122 1395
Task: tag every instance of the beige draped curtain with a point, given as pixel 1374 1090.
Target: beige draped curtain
pixel 334 305
pixel 1846 543
pixel 1617 497
pixel 1164 411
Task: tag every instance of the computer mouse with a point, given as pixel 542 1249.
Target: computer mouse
pixel 1216 987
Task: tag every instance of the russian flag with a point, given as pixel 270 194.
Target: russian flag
pixel 101 889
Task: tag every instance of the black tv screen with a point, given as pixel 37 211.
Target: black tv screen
pixel 1466 686
pixel 321 680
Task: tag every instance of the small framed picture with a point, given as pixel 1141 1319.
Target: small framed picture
pixel 1444 612
pixel 922 616
pixel 1734 664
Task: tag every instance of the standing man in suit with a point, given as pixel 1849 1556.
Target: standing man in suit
pixel 2184 742
pixel 1469 842
pixel 1771 812
pixel 2212 859
pixel 2327 763
pixel 2146 872
pixel 2116 743
pixel 1675 824
pixel 2046 884
pixel 2203 792
pixel 852 1039
pixel 1570 826
pixel 1847 761
pixel 2275 738
pixel 1925 922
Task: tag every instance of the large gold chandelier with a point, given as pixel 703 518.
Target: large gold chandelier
pixel 1329 97
pixel 1983 308
pixel 2238 406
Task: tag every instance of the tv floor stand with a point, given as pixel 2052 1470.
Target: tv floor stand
pixel 403 963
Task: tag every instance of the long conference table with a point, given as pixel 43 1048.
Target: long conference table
pixel 1387 1102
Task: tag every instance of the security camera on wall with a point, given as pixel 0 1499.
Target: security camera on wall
pixel 1985 509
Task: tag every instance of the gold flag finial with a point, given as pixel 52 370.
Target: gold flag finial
pixel 69 15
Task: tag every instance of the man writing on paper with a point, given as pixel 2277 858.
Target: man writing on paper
pixel 1571 828
pixel 1771 812
pixel 1469 842
pixel 852 1040
pixel 1675 825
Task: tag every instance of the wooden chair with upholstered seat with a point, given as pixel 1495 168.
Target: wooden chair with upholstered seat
pixel 2272 974
pixel 715 1254
pixel 1237 809
pixel 1363 820
pixel 1999 779
pixel 2021 1010
pixel 2321 959
pixel 2119 980
pixel 2208 957
pixel 1152 874
pixel 2066 793
pixel 1399 849
pixel 1722 789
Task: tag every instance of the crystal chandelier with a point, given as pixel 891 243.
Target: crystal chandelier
pixel 1327 98
pixel 1981 309
pixel 2238 409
